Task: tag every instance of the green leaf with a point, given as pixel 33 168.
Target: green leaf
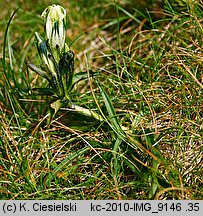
pixel 87 112
pixel 66 70
pixel 56 105
pixel 64 163
pixel 111 111
pixel 153 181
pixel 37 70
pixel 128 14
pixel 4 48
pixel 42 91
pixel 82 76
pixel 116 161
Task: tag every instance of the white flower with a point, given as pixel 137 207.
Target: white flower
pixel 55 26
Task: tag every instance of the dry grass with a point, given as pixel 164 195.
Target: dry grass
pixel 152 74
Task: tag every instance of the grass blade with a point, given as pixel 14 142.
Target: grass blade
pixel 111 111
pixel 4 47
pixel 64 163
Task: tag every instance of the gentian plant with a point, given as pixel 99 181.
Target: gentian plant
pixel 58 60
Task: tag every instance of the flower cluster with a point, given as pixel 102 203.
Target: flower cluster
pixel 58 60
pixel 55 54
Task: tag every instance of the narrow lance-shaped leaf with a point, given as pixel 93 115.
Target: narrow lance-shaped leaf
pixel 45 55
pixel 77 77
pixel 65 162
pixel 110 110
pixel 43 91
pixel 66 69
pixel 52 68
pixel 37 70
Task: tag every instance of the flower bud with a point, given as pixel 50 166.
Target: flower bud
pixel 45 55
pixel 55 26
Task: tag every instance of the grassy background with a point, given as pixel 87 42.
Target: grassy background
pixel 150 92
